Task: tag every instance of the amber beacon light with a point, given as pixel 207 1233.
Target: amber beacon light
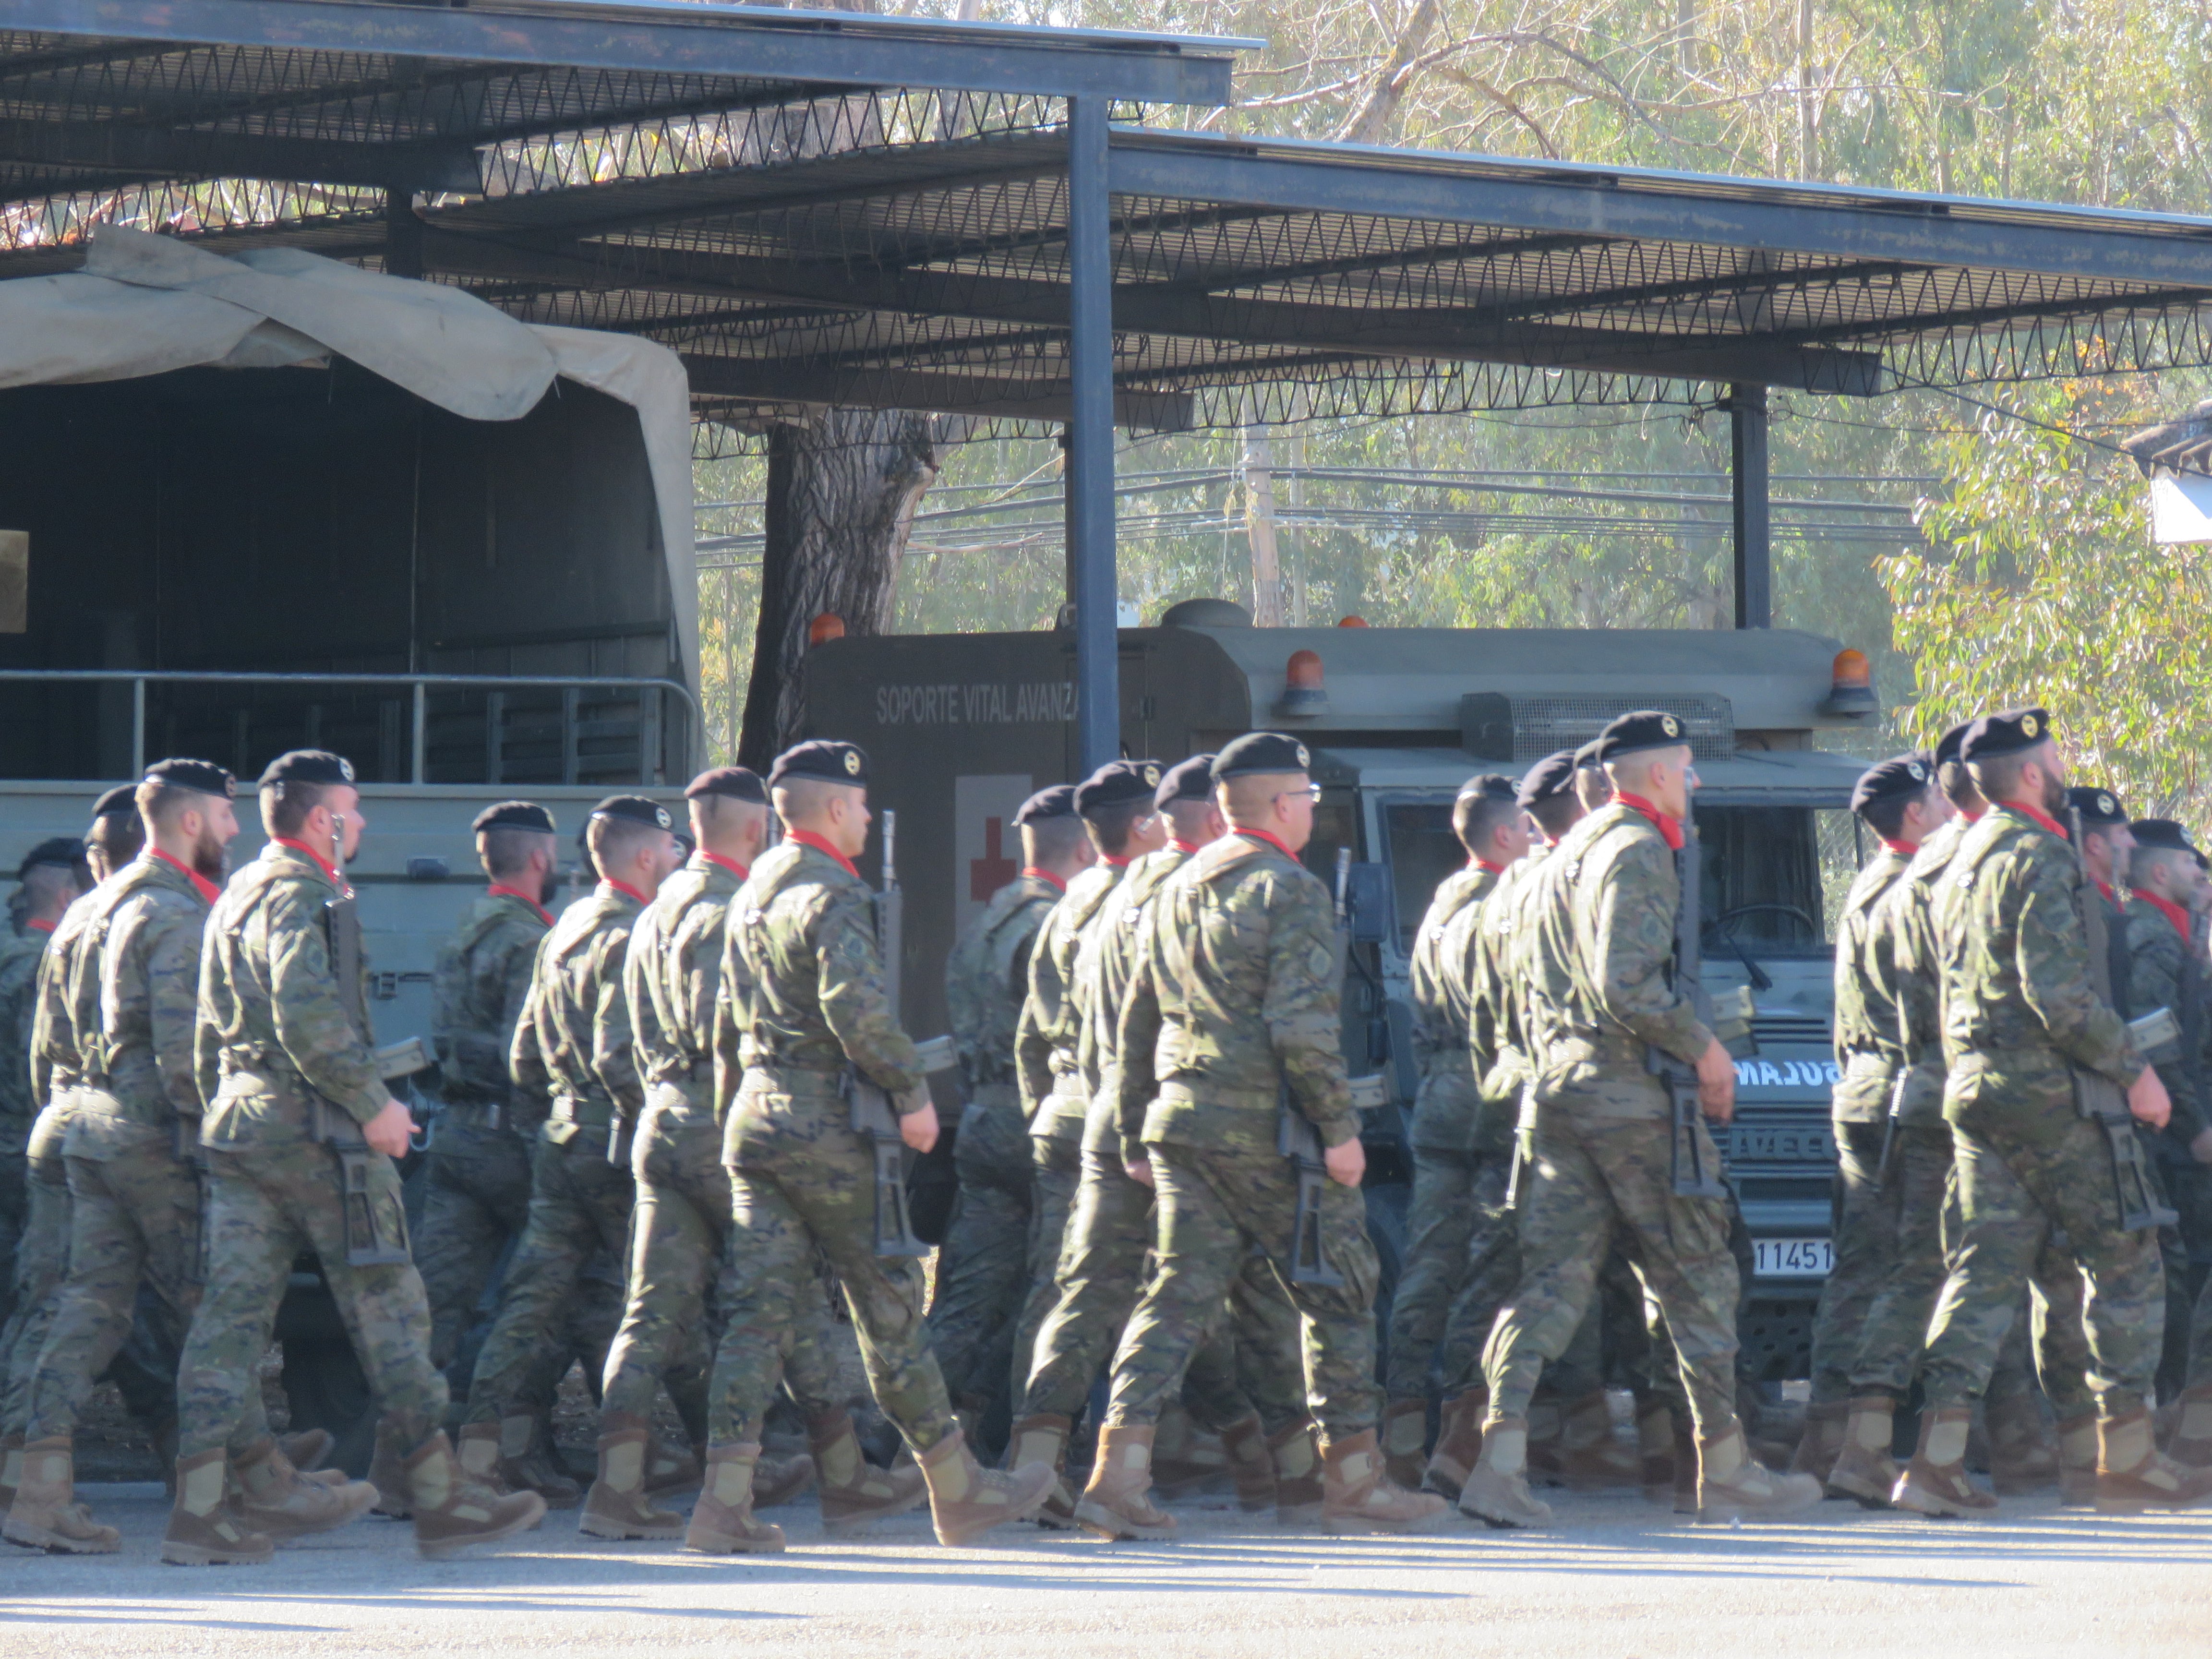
pixel 827 626
pixel 1302 691
pixel 1851 691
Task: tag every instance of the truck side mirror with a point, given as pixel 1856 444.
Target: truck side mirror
pixel 1367 897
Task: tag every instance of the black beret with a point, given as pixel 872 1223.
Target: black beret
pixel 1894 779
pixel 203 775
pixel 61 852
pixel 1585 758
pixel 635 808
pixel 2100 808
pixel 1260 752
pixel 1947 745
pixel 731 782
pixel 516 815
pixel 1550 777
pixel 1117 783
pixel 1493 786
pixel 1188 780
pixel 1645 729
pixel 1057 802
pixel 819 758
pixel 124 798
pixel 2011 732
pixel 2165 833
pixel 308 766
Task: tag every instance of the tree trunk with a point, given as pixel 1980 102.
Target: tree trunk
pixel 842 494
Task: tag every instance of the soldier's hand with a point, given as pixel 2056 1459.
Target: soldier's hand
pixel 2201 1148
pixel 389 1130
pixel 2147 1099
pixel 919 1129
pixel 1717 1082
pixel 1346 1163
pixel 1140 1170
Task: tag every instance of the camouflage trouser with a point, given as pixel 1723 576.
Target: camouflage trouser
pixel 1863 1223
pixel 1481 1280
pixel 41 1262
pixel 1634 1350
pixel 15 1202
pixel 1099 1279
pixel 801 1180
pixel 580 1204
pixel 982 1266
pixel 263 1207
pixel 1594 1181
pixel 1908 1208
pixel 2186 1248
pixel 1056 1167
pixel 1440 1227
pixel 2013 1201
pixel 1216 1208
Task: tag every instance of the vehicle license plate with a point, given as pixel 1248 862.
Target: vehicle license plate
pixel 1794 1258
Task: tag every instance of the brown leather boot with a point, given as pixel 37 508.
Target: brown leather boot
pixel 855 1492
pixel 1459 1442
pixel 275 1499
pixel 1864 1470
pixel 617 1506
pixel 305 1451
pixel 1734 1485
pixel 1822 1442
pixel 1655 1452
pixel 1043 1439
pixel 45 1515
pixel 1251 1466
pixel 1295 1452
pixel 2023 1454
pixel 2077 1461
pixel 387 1473
pixel 527 1463
pixel 1543 1421
pixel 1591 1457
pixel 453 1511
pixel 673 1468
pixel 203 1531
pixel 1934 1482
pixel 1405 1441
pixel 2190 1446
pixel 2132 1474
pixel 1358 1495
pixel 722 1521
pixel 777 1481
pixel 1497 1491
pixel 1116 1502
pixel 1187 1461
pixel 11 1468
pixel 966 1500
pixel 478 1449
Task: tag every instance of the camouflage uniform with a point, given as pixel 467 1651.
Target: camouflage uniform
pixel 2018 1014
pixel 36 1268
pixel 1593 964
pixel 19 973
pixel 1053 1096
pixel 802 938
pixel 982 1266
pixel 1236 998
pixel 274 1031
pixel 574 1043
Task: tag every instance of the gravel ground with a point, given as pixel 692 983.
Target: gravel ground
pixel 1614 1579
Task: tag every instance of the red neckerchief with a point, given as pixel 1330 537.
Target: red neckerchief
pixel 1044 875
pixel 1114 861
pixel 1974 814
pixel 1484 864
pixel 808 838
pixel 321 863
pixel 2111 898
pixel 37 926
pixel 497 891
pixel 207 890
pixel 1669 828
pixel 1185 848
pixel 2166 907
pixel 2042 817
pixel 1904 849
pixel 742 871
pixel 1274 841
pixel 624 887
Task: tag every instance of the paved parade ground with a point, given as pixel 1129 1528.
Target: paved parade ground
pixel 1620 1580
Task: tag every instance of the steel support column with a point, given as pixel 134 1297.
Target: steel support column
pixel 1754 559
pixel 1090 577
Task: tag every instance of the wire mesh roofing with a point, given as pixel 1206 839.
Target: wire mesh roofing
pixel 804 243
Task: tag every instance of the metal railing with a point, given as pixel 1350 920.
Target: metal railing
pixel 420 686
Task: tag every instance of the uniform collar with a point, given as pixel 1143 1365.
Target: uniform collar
pixel 38 924
pixel 1039 873
pixel 2173 912
pixel 2039 815
pixel 206 888
pixel 497 891
pixel 329 869
pixel 1904 849
pixel 1486 867
pixel 808 838
pixel 1185 848
pixel 608 884
pixel 1271 838
pixel 1668 826
pixel 700 858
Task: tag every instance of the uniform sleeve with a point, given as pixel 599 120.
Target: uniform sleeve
pixel 614 1048
pixel 855 1002
pixel 648 1036
pixel 310 1022
pixel 525 1059
pixel 1301 1008
pixel 1496 1062
pixel 208 1025
pixel 18 1014
pixel 172 1003
pixel 1137 1042
pixel 730 1016
pixel 1631 941
pixel 2052 961
pixel 2155 972
pixel 1032 1035
pixel 46 1037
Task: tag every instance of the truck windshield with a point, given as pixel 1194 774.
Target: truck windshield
pixel 1422 851
pixel 1775 876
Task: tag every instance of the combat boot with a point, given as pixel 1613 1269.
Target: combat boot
pixel 1934 1482
pixel 855 1492
pixel 2077 1461
pixel 202 1530
pixel 617 1506
pixel 777 1481
pixel 966 1500
pixel 526 1463
pixel 1822 1442
pixel 1186 1460
pixel 1251 1466
pixel 1591 1458
pixel 1405 1441
pixel 2192 1442
pixel 1043 1439
pixel 1654 1451
pixel 1864 1470
pixel 2132 1474
pixel 1117 1504
pixel 1295 1452
pixel 275 1499
pixel 673 1468
pixel 1686 1463
pixel 45 1515
pixel 2023 1457
pixel 478 1449
pixel 453 1511
pixel 304 1450
pixel 1358 1495
pixel 722 1521
pixel 387 1473
pixel 1497 1491
pixel 1544 1442
pixel 1734 1485
pixel 1459 1442
pixel 11 1467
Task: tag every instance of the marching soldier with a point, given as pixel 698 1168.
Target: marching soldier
pixel 1236 1001
pixel 50 879
pixel 299 1133
pixel 802 940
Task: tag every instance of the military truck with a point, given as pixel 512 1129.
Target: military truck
pixel 960 728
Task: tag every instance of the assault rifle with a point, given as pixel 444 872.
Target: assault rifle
pixel 1729 1021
